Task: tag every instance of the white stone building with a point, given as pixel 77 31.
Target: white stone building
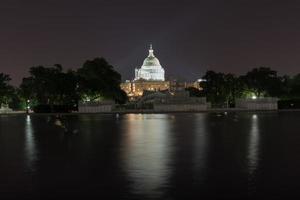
pixel 151 69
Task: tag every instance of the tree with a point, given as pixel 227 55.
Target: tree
pixel 42 84
pixel 233 87
pixel 294 85
pixel 263 81
pixel 67 88
pixel 99 80
pixel 50 85
pixel 222 89
pixel 6 90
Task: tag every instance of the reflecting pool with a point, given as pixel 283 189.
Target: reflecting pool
pixel 150 156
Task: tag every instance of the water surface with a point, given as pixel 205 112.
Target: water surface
pixel 151 156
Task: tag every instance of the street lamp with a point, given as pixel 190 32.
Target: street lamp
pixel 27 106
pixel 254 97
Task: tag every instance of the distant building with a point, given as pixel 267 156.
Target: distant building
pixel 151 77
pixel 151 69
pixel 137 88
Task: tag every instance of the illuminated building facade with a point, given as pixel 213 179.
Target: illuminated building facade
pixel 151 77
pixel 137 88
pixel 151 69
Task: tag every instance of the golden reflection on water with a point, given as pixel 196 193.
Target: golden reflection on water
pixel 147 151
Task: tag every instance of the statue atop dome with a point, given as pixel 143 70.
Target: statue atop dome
pixel 151 69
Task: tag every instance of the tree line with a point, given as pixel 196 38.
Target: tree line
pixel 95 80
pixel 222 89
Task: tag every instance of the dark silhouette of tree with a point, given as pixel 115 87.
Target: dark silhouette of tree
pixel 233 87
pixel 294 85
pixel 99 80
pixel 214 87
pixel 263 82
pixel 50 85
pixel 67 88
pixel 6 90
pixel 222 89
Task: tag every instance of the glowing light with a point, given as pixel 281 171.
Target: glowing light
pixel 254 97
pixel 201 80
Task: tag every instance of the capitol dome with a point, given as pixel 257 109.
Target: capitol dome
pixel 151 69
pixel 151 60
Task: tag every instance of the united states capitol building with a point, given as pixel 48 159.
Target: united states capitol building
pixel 151 77
pixel 151 69
pixel 149 91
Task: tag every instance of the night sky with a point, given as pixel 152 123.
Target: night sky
pixel 189 37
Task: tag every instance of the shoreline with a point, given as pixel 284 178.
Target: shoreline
pixel 219 110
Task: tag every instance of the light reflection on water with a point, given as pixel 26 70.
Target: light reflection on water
pixel 201 144
pixel 253 149
pixel 30 146
pixel 156 156
pixel 147 151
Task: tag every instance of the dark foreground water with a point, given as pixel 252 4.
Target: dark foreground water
pixel 154 156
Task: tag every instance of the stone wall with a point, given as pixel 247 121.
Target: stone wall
pixel 5 109
pixel 180 107
pixel 257 104
pixel 91 107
